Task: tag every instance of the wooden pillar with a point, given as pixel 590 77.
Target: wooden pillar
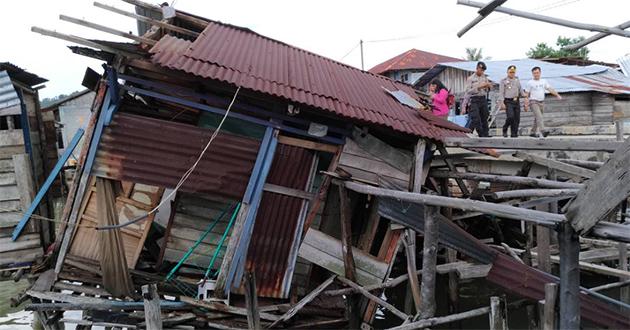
pixel 410 235
pixel 542 244
pixel 348 258
pixel 569 278
pixel 429 259
pixel 498 314
pixel 251 301
pixel 451 256
pixel 152 313
pixel 414 284
pixel 551 296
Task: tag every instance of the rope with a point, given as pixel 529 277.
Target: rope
pixel 184 177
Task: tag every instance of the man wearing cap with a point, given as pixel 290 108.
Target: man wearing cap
pixel 510 92
pixel 477 87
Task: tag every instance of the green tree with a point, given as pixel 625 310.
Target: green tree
pixel 542 50
pixel 475 54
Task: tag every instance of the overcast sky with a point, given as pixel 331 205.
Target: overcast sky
pixel 329 28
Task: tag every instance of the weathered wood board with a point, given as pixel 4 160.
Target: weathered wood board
pixel 325 251
pixel 602 193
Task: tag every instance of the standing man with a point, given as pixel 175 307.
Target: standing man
pixel 535 90
pixel 510 92
pixel 477 87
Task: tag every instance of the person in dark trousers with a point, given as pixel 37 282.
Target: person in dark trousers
pixel 477 87
pixel 510 92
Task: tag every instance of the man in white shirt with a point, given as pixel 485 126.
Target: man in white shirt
pixel 536 89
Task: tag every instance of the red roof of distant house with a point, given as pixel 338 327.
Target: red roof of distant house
pixel 412 59
pixel 242 57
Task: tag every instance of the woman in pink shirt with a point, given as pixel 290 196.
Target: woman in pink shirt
pixel 439 96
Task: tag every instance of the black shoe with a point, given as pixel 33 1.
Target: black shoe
pixel 545 134
pixel 505 135
pixel 533 135
pixel 514 136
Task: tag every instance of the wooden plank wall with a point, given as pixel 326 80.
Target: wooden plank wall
pixel 193 215
pixel 134 200
pixel 366 166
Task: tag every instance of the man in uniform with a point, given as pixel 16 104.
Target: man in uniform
pixel 510 92
pixel 477 87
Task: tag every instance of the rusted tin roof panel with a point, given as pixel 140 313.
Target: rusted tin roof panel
pixel 273 246
pixel 530 283
pixel 157 152
pixel 241 57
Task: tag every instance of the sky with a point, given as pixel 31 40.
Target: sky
pixel 329 28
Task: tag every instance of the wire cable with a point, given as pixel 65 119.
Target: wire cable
pixel 184 177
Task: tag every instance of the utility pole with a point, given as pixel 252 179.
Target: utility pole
pixel 361 45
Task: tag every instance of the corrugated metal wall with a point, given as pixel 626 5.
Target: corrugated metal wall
pixel 157 152
pixel 273 243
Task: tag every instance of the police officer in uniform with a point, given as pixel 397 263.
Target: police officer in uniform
pixel 477 87
pixel 510 92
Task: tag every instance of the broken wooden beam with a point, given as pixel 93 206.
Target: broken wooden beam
pixel 517 180
pixel 534 144
pixel 145 19
pixel 612 231
pixel 523 193
pixel 374 298
pixel 106 29
pixel 549 315
pixel 603 193
pixel 591 165
pixel 575 171
pixel 307 299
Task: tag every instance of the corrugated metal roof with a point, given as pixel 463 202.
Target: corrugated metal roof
pixel 8 96
pixel 21 75
pixel 529 282
pixel 274 237
pixel 412 59
pixel 158 152
pixel 563 78
pixel 412 215
pixel 239 56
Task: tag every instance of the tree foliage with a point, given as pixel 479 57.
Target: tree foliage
pixel 475 54
pixel 542 50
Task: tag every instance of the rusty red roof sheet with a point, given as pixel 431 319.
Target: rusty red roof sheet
pixel 239 56
pixel 412 59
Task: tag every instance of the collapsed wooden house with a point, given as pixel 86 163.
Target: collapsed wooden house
pixel 248 178
pixel 25 158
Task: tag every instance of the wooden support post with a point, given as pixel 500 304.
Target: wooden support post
pixel 348 258
pixel 498 314
pixel 251 301
pixel 152 312
pixel 542 244
pixel 429 259
pixel 551 296
pixel 414 284
pixel 569 277
pixel 451 167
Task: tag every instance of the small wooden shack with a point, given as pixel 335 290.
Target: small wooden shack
pixel 25 156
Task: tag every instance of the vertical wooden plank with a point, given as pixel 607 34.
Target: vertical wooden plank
pixel 321 194
pixel 251 301
pixel 371 226
pixel 418 165
pixel 348 258
pixel 551 296
pixel 152 312
pixel 569 278
pixel 498 314
pixel 410 249
pixel 429 259
pixel 25 183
